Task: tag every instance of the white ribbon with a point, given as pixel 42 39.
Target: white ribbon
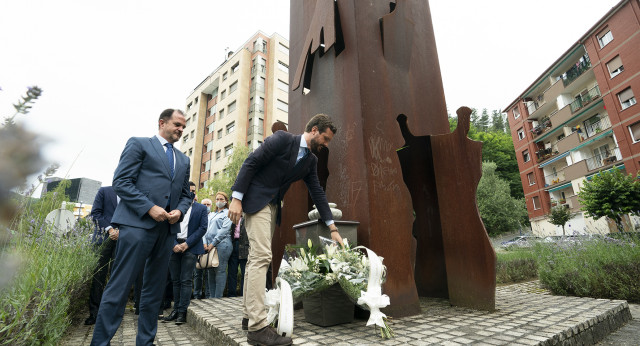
pixel 373 297
pixel 272 301
pixel 285 319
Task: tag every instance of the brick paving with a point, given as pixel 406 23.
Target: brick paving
pixel 525 315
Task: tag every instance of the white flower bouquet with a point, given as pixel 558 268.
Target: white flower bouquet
pixel 307 273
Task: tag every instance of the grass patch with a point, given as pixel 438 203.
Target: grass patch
pixel 516 266
pixel 607 269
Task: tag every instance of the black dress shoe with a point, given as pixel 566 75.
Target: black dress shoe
pixel 267 336
pixel 245 324
pixel 166 304
pixel 90 320
pixel 172 316
pixel 182 318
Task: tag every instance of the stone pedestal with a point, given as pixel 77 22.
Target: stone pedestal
pixel 314 228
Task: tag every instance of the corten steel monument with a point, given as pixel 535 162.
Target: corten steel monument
pixel 363 63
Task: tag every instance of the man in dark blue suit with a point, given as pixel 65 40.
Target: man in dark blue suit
pixel 186 249
pixel 104 238
pixel 264 178
pixel 152 181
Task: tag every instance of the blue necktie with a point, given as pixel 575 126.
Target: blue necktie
pixel 170 157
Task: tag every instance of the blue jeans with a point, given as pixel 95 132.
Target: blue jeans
pixel 181 267
pixel 218 276
pixel 200 278
pixel 232 278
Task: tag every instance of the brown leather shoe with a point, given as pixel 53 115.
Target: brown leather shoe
pixel 267 336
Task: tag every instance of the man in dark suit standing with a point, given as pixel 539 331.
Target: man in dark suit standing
pixel 104 238
pixel 264 178
pixel 186 249
pixel 152 181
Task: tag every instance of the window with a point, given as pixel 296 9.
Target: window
pixel 536 202
pixel 283 67
pixel 223 94
pixel 525 156
pixel 209 146
pixel 228 150
pixel 189 106
pixel 210 127
pixel 260 126
pixel 193 133
pixel 231 107
pixel 626 98
pixel 531 178
pixel 635 132
pixel 184 139
pixel 521 134
pixel 217 156
pixel 190 152
pixel 231 127
pixel 224 76
pixel 283 86
pixel 284 49
pixel 283 106
pixel 207 166
pixel 188 122
pixel 605 37
pixel 516 113
pixel 221 114
pixel 235 68
pixel 219 133
pixel 196 100
pixel 615 66
pixel 233 87
pixel 213 109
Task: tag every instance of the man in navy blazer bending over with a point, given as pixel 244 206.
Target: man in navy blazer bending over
pixel 264 178
pixel 152 181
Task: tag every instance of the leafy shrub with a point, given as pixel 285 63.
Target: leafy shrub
pixel 601 268
pixel 516 266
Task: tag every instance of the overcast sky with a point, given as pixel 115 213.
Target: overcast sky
pixel 108 68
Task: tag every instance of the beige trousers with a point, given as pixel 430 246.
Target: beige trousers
pixel 260 227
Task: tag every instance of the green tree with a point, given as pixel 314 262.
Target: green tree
pixel 497 122
pixel 612 194
pixel 497 147
pixel 224 181
pixel 499 211
pixel 483 122
pixel 560 216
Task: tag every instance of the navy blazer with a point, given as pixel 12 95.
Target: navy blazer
pixel 269 171
pixel 143 179
pixel 102 210
pixel 198 223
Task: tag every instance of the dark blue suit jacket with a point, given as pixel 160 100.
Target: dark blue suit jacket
pixel 102 210
pixel 198 223
pixel 143 179
pixel 270 169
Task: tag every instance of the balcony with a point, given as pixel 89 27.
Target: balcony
pixel 608 158
pixel 545 154
pixel 555 178
pixel 561 116
pixel 576 71
pixel 542 127
pixel 573 203
pixel 577 170
pixel 597 127
pixel 532 107
pixel 586 99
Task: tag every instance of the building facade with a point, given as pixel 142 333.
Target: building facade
pixel 236 105
pixel 580 117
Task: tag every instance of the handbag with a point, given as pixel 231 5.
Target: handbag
pixel 208 260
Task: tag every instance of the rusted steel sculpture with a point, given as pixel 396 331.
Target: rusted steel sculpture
pixel 363 62
pixel 463 262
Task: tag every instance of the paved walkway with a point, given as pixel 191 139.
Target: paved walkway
pixel 526 315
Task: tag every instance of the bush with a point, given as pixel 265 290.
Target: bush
pixel 601 268
pixel 51 285
pixel 516 266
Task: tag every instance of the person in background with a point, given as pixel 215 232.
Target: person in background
pixel 200 275
pixel 187 246
pixel 219 236
pixel 104 238
pixel 239 256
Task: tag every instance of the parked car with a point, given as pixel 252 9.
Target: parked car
pixel 519 242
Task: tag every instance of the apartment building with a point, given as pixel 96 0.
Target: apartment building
pixel 236 104
pixel 580 117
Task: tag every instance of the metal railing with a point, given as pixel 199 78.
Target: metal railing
pixel 597 161
pixel 586 99
pixel 554 178
pixel 576 71
pixel 544 124
pixel 597 127
pixel 532 107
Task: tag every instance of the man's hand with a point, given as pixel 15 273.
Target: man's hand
pixel 158 213
pixel 174 216
pixel 235 210
pixel 184 247
pixel 207 247
pixel 177 248
pixel 113 233
pixel 335 235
